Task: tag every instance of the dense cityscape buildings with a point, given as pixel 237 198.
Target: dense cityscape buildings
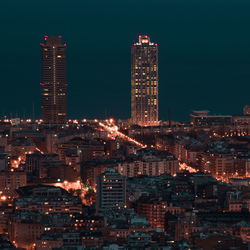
pixel 53 60
pixel 111 184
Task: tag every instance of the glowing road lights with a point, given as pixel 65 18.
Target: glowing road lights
pixel 75 186
pixel 39 150
pixel 185 167
pixel 114 130
pixel 3 198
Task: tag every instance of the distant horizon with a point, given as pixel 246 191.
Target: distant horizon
pixel 117 118
pixel 204 55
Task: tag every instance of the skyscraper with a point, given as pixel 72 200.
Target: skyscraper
pixel 111 190
pixel 144 82
pixel 53 60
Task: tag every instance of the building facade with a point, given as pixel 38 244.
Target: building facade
pixel 53 60
pixel 151 166
pixel 10 181
pixel 111 190
pixel 246 110
pixel 144 82
pixel 204 119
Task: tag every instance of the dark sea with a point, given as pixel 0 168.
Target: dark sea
pixel 204 54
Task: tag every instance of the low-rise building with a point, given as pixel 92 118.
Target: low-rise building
pixel 47 199
pixel 149 162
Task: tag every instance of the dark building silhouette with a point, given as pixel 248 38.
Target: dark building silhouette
pixel 144 82
pixel 53 60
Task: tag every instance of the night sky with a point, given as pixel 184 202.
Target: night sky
pixel 204 54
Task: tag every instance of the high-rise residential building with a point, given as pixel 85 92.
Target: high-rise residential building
pixel 144 82
pixel 246 110
pixel 53 60
pixel 111 190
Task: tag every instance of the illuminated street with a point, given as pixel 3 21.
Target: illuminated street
pixel 113 130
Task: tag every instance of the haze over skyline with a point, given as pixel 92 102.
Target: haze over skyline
pixel 204 54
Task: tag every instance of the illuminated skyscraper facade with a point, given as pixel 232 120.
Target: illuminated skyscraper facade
pixel 53 60
pixel 144 82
